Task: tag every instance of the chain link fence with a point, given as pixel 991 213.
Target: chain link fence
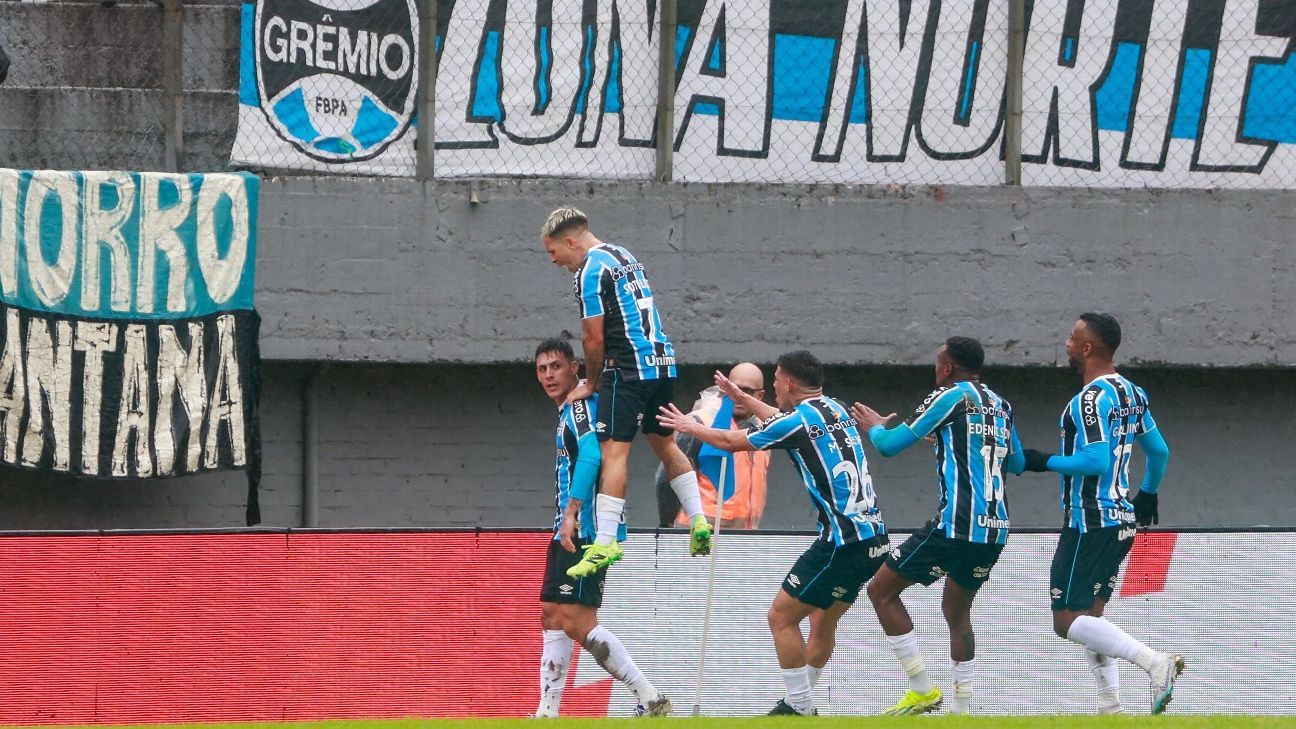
pixel 1199 93
pixel 93 98
pixel 1195 94
pixel 209 54
pixel 560 89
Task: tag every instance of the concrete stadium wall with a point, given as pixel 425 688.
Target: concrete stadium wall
pixel 403 271
pixel 351 269
pixel 471 445
pixel 426 306
pixel 101 106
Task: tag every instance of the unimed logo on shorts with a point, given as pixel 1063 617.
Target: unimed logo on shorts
pixel 337 78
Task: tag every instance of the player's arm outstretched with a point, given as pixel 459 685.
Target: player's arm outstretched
pixel 730 440
pixel 930 416
pixel 1094 457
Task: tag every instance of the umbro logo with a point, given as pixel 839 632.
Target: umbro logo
pixel 1056 592
pixel 937 571
pixel 599 427
pixel 980 573
pixel 839 592
pixel 794 581
pixel 565 589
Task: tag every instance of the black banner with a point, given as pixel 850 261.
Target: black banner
pixel 131 399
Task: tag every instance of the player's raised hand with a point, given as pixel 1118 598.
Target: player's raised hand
pixel 670 416
pixel 727 386
pixel 867 417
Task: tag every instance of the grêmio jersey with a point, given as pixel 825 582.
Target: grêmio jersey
pixel 575 419
pixel 825 444
pixel 611 283
pixel 973 427
pixel 1114 411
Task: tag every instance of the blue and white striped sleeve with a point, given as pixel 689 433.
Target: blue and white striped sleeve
pixel 778 431
pixel 589 288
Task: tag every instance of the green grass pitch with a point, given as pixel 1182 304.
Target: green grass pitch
pixel 761 722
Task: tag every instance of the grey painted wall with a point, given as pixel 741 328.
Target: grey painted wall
pixel 432 293
pixel 85 86
pixel 403 271
pixel 469 445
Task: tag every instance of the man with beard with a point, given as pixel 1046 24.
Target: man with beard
pixel 1099 429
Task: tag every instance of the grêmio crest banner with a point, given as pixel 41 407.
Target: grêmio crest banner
pixel 328 85
pixel 128 336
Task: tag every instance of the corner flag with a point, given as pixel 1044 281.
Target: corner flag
pixel 709 457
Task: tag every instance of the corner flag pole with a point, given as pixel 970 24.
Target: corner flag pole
pixel 706 616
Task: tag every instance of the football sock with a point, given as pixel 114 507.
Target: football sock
pixel 910 657
pixel 798 689
pixel 1106 673
pixel 815 673
pixel 607 518
pixel 554 660
pixel 1103 637
pixel 685 487
pixel 609 652
pixel 962 674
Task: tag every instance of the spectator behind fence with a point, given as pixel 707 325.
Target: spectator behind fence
pixel 743 510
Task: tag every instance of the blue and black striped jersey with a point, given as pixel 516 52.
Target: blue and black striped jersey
pixel 611 283
pixel 824 442
pixel 1110 410
pixel 575 419
pixel 973 427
